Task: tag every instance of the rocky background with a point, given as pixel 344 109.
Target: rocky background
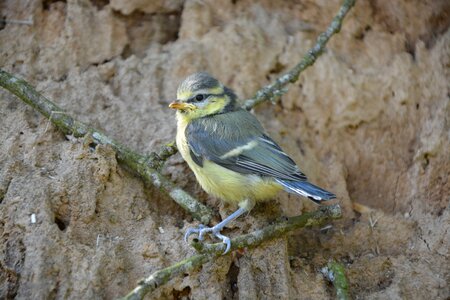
pixel 369 121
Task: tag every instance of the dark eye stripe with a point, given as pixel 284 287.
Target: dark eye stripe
pixel 198 98
pixel 205 96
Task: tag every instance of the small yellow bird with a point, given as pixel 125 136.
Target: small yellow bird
pixel 229 152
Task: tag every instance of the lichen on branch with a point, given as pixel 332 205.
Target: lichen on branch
pixel 209 252
pixel 335 273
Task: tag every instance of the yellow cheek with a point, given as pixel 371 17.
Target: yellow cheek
pixel 215 106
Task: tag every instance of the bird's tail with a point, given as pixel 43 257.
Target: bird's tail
pixel 306 189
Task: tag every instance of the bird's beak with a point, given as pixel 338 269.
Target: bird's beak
pixel 182 105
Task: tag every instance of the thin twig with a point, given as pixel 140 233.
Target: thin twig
pixel 274 90
pixel 166 151
pixel 145 166
pixel 335 273
pixel 210 251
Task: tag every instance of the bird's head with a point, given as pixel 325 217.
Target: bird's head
pixel 201 95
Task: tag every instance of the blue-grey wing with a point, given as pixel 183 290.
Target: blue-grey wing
pixel 236 141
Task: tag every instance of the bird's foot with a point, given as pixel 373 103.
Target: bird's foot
pixel 215 231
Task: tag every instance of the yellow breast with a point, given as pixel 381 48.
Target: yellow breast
pixel 223 183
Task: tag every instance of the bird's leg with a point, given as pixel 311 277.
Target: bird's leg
pixel 215 230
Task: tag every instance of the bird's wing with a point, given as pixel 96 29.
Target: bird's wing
pixel 236 141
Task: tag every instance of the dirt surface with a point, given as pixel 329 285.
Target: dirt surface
pixel 369 121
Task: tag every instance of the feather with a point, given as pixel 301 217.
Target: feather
pixel 236 141
pixel 306 189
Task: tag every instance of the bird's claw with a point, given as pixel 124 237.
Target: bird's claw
pixel 226 240
pixel 193 230
pixel 202 229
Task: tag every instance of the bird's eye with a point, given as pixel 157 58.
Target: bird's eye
pixel 199 97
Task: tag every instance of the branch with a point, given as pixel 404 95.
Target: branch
pixel 145 166
pixel 335 273
pixel 209 252
pixel 274 90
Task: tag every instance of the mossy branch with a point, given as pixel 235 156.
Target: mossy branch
pixel 335 273
pixel 145 166
pixel 209 252
pixel 274 90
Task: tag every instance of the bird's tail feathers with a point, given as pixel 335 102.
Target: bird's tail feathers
pixel 306 189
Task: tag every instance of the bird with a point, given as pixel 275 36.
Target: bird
pixel 231 155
